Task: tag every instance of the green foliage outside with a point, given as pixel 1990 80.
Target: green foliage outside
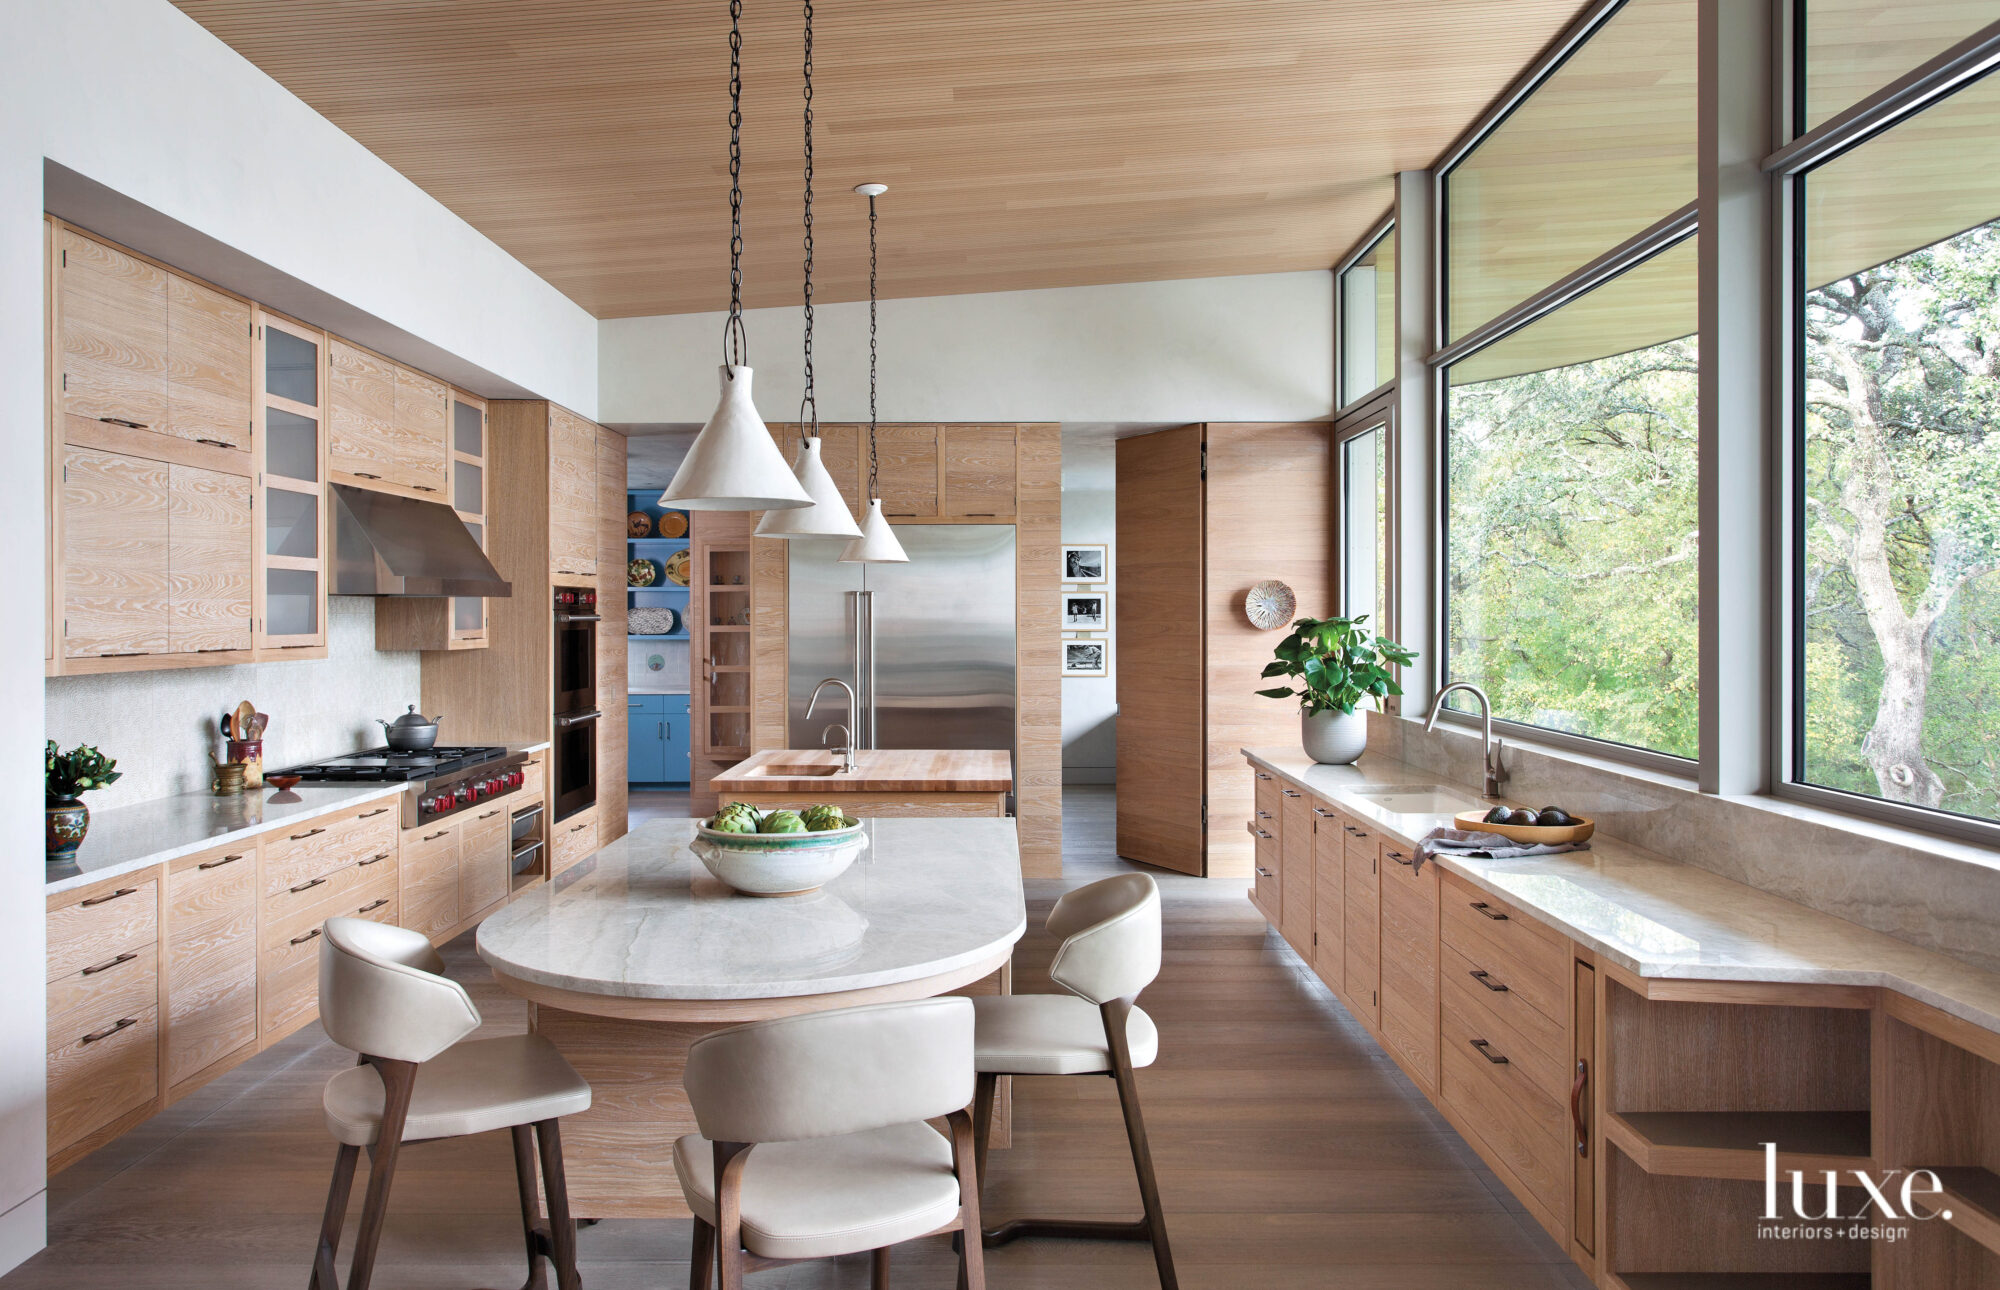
pixel 1571 564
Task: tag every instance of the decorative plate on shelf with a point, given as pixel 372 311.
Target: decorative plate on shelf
pixel 651 620
pixel 677 568
pixel 673 524
pixel 1269 605
pixel 638 524
pixel 641 573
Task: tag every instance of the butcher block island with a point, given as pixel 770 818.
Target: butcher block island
pixel 637 952
pixel 885 782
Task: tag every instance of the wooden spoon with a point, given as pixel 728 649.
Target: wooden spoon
pixel 244 715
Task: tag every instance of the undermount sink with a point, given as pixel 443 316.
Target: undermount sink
pixel 1419 799
pixel 791 772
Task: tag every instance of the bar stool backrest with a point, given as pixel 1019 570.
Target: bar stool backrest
pixel 380 992
pixel 830 1073
pixel 1111 938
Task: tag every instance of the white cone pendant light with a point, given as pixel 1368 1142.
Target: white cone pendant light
pixel 733 465
pixel 877 543
pixel 826 517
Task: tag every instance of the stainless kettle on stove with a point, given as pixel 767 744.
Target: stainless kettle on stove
pixel 411 732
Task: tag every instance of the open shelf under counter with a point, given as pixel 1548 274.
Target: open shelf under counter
pixel 1730 1144
pixel 1969 1201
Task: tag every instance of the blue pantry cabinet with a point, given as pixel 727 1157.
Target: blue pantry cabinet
pixel 657 726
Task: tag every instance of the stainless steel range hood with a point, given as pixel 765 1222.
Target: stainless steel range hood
pixel 385 544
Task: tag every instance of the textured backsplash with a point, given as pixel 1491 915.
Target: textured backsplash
pixel 161 726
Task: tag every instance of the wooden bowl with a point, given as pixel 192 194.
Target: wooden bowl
pixel 283 783
pixel 1532 834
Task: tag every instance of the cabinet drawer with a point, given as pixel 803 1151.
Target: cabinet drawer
pixel 316 847
pixel 1265 861
pixel 1538 1045
pixel 117 985
pixel 1528 958
pixel 1413 892
pixel 288 978
pixel 98 1073
pixel 574 839
pixel 531 786
pixel 1523 1126
pixel 211 888
pixel 99 927
pixel 353 892
pixel 310 903
pixel 1268 799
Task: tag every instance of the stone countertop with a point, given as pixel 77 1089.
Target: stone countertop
pixel 876 770
pixel 1654 916
pixel 136 837
pixel 647 921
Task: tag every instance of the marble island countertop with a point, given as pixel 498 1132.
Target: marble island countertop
pixel 126 839
pixel 1651 915
pixel 876 770
pixel 644 920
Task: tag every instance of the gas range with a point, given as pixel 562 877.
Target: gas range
pixel 444 781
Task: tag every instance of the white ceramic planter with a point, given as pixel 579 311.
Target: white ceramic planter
pixel 1334 738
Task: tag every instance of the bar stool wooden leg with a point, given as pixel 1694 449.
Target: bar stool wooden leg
pixel 326 1271
pixel 878 1269
pixel 532 1231
pixel 562 1228
pixel 1116 1013
pixel 971 1250
pixel 701 1259
pixel 730 1157
pixel 399 1081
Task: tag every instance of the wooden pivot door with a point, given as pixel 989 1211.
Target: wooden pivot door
pixel 115 539
pixel 112 334
pixel 209 557
pixel 907 472
pixel 1162 718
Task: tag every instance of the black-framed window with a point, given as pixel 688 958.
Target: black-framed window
pixel 1895 462
pixel 1571 530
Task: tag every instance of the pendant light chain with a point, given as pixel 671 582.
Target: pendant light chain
pixel 735 342
pixel 871 348
pixel 809 405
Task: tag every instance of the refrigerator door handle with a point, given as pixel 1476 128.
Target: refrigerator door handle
pixel 868 703
pixel 859 734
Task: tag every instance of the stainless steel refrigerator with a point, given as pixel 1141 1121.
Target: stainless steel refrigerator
pixel 928 646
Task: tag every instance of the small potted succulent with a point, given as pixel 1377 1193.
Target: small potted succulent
pixel 71 774
pixel 1338 662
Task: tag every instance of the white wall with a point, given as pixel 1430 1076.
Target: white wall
pixel 134 95
pixel 1255 348
pixel 161 726
pixel 1090 704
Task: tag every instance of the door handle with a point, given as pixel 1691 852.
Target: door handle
pixel 1488 910
pixel 378 902
pixel 122 891
pixel 109 1030
pixel 1485 978
pixel 301 940
pixel 369 815
pixel 1485 1049
pixel 1576 1107
pixel 1402 860
pixel 217 864
pixel 300 837
pixel 308 886
pixel 108 964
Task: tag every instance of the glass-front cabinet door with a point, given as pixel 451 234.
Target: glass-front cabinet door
pixel 290 496
pixel 468 498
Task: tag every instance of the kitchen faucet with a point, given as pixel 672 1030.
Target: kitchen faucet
pixel 1495 773
pixel 846 752
pixel 844 749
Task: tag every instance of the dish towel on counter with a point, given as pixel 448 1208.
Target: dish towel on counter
pixel 1484 846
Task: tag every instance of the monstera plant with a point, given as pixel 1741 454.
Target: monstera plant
pixel 1338 664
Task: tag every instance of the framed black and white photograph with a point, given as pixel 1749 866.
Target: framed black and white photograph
pixel 1090 562
pixel 1086 658
pixel 1084 611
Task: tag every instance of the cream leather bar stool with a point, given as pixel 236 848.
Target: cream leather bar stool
pixel 814 1127
pixel 382 994
pixel 1110 952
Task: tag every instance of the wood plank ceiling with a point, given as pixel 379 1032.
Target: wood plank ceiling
pixel 1027 143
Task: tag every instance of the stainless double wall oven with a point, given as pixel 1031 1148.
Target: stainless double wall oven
pixel 573 754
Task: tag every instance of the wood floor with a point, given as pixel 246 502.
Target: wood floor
pixel 1291 1153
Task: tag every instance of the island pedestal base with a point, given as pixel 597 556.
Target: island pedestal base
pixel 619 1154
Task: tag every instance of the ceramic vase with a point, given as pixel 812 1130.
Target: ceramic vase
pixel 68 819
pixel 1333 737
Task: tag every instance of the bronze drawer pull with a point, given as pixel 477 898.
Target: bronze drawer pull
pixel 423 488
pixel 301 940
pixel 216 443
pixel 578 828
pixel 1485 1050
pixel 99 900
pixel 369 815
pixel 217 864
pixel 121 421
pixel 377 858
pixel 108 964
pixel 1576 1107
pixel 490 814
pixel 1485 978
pixel 362 474
pixel 432 837
pixel 377 903
pixel 109 1030
pixel 309 833
pixel 1487 910
pixel 308 886
pixel 1402 860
